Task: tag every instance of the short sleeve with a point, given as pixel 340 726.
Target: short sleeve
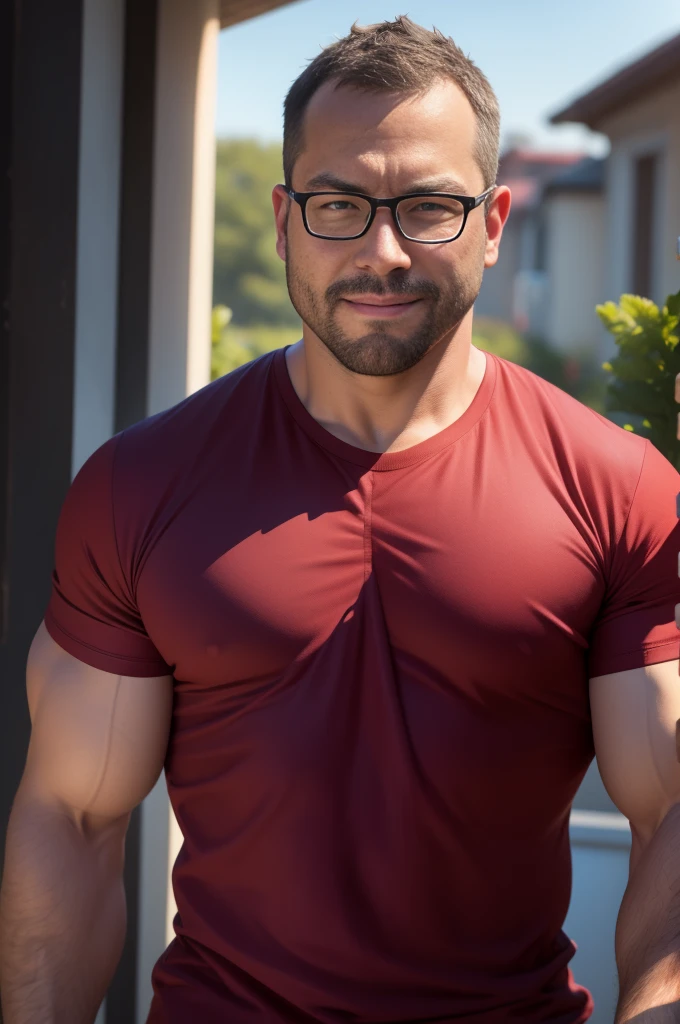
pixel 92 612
pixel 636 623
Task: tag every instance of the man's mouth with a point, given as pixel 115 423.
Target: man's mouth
pixel 378 306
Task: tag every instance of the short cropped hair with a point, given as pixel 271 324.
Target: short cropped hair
pixel 395 56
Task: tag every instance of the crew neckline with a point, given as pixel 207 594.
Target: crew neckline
pixel 385 460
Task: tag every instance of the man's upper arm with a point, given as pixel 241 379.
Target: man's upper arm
pixel 98 740
pixel 635 715
pixel 636 623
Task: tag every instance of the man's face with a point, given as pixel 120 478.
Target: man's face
pixel 385 145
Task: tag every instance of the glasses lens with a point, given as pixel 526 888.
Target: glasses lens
pixel 337 215
pixel 430 218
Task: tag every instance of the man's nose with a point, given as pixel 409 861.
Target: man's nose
pixel 382 248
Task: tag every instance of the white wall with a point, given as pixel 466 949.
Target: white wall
pixel 183 207
pixel 575 259
pixel 652 125
pixel 179 344
pixel 600 849
pixel 98 216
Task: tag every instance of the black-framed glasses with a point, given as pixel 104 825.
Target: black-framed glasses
pixel 427 217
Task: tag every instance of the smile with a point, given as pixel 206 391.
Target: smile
pixel 376 307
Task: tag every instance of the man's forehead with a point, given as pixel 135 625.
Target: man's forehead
pixel 414 141
pixel 352 107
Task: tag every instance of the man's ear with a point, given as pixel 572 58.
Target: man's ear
pixel 281 203
pixel 495 221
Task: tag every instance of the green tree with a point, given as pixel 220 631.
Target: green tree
pixel 249 278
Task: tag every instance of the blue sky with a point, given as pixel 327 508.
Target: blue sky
pixel 536 54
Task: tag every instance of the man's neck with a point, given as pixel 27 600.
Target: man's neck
pixel 387 414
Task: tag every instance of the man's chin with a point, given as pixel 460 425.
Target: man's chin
pixel 380 354
pixel 366 332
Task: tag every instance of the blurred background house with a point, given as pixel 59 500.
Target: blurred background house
pixel 107 231
pixel 557 278
pixel 639 110
pixel 524 171
pixel 583 228
pixel 570 227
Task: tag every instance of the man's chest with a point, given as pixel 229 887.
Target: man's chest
pixel 483 577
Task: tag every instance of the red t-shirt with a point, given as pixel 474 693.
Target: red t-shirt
pixel 381 668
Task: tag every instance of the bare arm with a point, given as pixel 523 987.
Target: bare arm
pixel 634 725
pixel 97 747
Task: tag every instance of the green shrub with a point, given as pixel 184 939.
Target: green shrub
pixel 233 345
pixel 499 337
pixel 642 382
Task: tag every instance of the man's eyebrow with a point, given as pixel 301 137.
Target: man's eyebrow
pixel 327 180
pixel 439 185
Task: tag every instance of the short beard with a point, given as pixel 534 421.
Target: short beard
pixel 380 353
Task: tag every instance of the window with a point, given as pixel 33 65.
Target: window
pixel 645 184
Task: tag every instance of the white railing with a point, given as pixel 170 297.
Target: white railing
pixel 600 848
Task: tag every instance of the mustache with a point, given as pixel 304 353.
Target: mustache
pixel 366 283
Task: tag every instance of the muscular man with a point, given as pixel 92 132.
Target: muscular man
pixel 373 601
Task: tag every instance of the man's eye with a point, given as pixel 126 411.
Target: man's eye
pixel 428 207
pixel 339 205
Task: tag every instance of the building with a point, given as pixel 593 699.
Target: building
pixel 589 230
pixel 638 108
pixel 561 278
pixel 525 172
pixel 106 226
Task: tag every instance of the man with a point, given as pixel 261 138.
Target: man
pixel 369 600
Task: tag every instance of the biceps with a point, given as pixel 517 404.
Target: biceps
pixel 98 740
pixel 635 716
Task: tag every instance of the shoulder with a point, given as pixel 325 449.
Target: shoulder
pixel 145 465
pixel 195 415
pixel 577 437
pixel 217 415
